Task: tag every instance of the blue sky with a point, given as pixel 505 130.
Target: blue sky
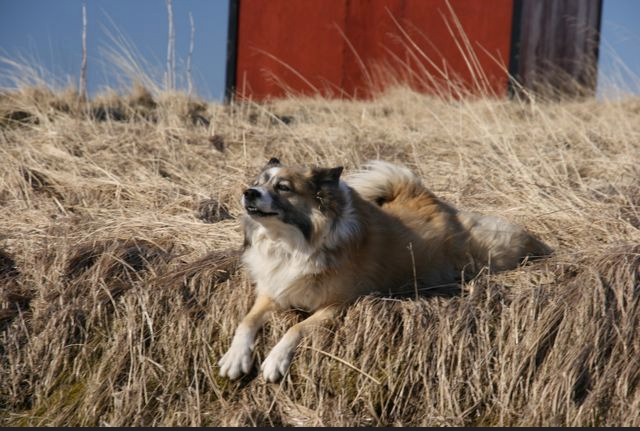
pixel 48 32
pixel 619 63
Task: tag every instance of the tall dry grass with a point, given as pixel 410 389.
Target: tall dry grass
pixel 121 289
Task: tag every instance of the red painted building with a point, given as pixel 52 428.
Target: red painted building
pixel 353 48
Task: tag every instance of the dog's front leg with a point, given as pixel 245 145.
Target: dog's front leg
pixel 238 358
pixel 278 360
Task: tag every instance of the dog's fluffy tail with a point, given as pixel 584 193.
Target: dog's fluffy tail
pixel 383 182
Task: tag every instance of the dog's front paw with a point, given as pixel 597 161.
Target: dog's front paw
pixel 236 361
pixel 277 362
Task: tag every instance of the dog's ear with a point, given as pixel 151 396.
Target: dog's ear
pixel 323 177
pixel 326 183
pixel 273 162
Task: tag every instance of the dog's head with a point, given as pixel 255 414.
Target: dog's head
pixel 303 198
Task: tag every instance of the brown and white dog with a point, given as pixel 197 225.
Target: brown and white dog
pixel 315 242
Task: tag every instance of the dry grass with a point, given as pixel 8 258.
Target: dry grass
pixel 120 289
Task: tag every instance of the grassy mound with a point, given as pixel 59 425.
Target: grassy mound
pixel 120 284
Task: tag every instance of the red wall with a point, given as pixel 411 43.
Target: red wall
pixel 352 47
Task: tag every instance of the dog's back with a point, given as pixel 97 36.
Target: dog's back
pixel 467 241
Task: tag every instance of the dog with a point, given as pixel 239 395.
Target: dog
pixel 316 242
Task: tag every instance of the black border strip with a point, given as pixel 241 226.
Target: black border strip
pixel 514 52
pixel 232 51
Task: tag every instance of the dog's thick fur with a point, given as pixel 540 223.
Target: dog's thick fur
pixel 315 242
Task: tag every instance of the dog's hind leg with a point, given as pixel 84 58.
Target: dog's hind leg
pixel 238 358
pixel 278 360
pixel 499 244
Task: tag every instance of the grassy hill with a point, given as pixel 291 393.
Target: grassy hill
pixel 120 288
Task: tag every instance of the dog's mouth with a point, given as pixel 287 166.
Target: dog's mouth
pixel 255 212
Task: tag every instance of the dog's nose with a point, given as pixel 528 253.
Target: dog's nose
pixel 251 194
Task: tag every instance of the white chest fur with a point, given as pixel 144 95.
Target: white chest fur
pixel 283 267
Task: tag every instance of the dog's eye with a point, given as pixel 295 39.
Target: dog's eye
pixel 283 187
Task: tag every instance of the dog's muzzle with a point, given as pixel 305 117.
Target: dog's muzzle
pixel 251 198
